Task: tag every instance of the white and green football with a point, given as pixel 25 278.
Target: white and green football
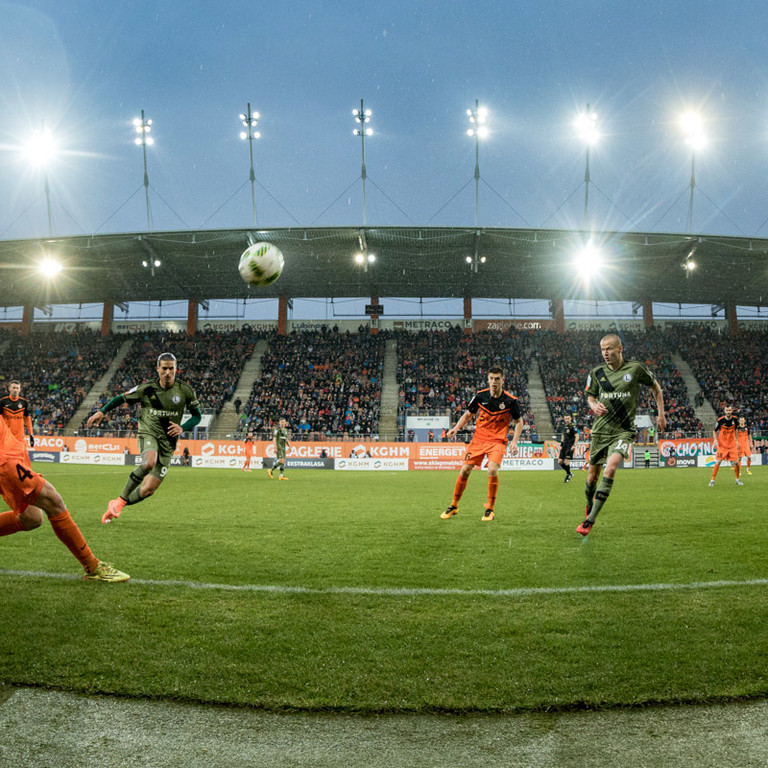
pixel 261 264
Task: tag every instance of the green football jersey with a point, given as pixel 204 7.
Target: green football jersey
pixel 159 407
pixel 617 391
pixel 281 438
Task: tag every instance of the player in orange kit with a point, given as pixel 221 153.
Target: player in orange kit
pixel 29 494
pixel 15 410
pixel 744 442
pixel 724 439
pixel 496 409
pixel 248 453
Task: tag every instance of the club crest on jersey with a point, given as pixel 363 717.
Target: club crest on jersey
pixel 501 406
pixel 176 399
pixel 627 377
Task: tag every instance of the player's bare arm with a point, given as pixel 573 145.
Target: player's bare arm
pixel 460 424
pixel 94 419
pixel 512 448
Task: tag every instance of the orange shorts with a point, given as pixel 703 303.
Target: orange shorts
pixel 19 485
pixel 744 450
pixel 477 449
pixel 728 453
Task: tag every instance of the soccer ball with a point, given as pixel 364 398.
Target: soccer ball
pixel 261 264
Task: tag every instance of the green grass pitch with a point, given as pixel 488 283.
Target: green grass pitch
pixel 345 591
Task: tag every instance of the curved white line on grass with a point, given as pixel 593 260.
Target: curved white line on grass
pixel 409 591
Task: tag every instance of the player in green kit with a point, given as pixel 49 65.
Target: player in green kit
pixel 612 390
pixel 162 401
pixel 280 442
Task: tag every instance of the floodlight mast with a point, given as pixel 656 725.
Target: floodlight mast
pixel 695 139
pixel 143 127
pixel 40 149
pixel 587 126
pixel 250 120
pixel 363 116
pixel 477 117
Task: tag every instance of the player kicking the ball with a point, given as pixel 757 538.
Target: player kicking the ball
pixel 162 401
pixel 612 390
pixel 496 409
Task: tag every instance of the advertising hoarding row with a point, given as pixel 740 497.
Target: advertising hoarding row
pixel 347 455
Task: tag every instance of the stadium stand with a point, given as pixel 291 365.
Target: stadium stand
pixel 326 384
pixel 729 369
pixel 56 371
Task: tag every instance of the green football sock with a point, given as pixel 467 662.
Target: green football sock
pixel 134 481
pixel 134 497
pixel 589 492
pixel 601 496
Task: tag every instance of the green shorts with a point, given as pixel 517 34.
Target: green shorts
pixel 164 453
pixel 603 445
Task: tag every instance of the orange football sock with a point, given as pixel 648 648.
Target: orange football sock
pixel 458 491
pixel 69 534
pixel 714 471
pixel 9 523
pixel 493 487
pixel 737 467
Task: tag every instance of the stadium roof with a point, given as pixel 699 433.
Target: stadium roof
pixel 410 262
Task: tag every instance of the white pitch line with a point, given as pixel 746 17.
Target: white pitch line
pixel 409 591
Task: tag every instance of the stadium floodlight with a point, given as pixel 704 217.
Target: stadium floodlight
pixel 477 118
pixel 589 262
pixel 250 120
pixel 693 132
pixel 49 267
pixel 362 118
pixel 40 150
pixel 41 147
pixel 143 127
pixel 359 258
pixel 586 125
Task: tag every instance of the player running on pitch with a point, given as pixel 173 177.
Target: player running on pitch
pixel 724 443
pixel 162 401
pixel 29 494
pixel 612 390
pixel 496 409
pixel 280 443
pixel 744 442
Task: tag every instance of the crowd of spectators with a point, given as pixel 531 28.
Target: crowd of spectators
pixel 566 360
pixel 325 383
pixel 439 371
pixel 328 383
pixel 211 361
pixel 56 371
pixel 729 369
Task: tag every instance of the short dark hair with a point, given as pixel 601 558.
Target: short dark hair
pixel 14 381
pixel 165 356
pixel 496 369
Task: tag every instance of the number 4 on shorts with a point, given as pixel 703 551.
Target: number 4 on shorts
pixel 23 473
